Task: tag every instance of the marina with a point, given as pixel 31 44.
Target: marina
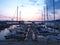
pixel 29 34
pixel 29 22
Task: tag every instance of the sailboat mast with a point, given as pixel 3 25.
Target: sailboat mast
pixel 47 10
pixel 44 14
pixel 17 13
pixel 54 9
pixel 20 15
pixel 54 13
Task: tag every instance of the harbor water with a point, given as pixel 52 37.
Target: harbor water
pixel 5 32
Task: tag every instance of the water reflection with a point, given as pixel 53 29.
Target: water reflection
pixel 13 26
pixel 5 32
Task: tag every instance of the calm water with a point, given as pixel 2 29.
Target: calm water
pixel 5 32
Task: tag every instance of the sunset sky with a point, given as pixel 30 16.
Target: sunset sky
pixel 28 9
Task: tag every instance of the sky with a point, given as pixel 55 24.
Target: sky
pixel 50 9
pixel 27 9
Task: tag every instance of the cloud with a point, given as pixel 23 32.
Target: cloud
pixel 34 1
pixel 9 7
pixel 37 2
